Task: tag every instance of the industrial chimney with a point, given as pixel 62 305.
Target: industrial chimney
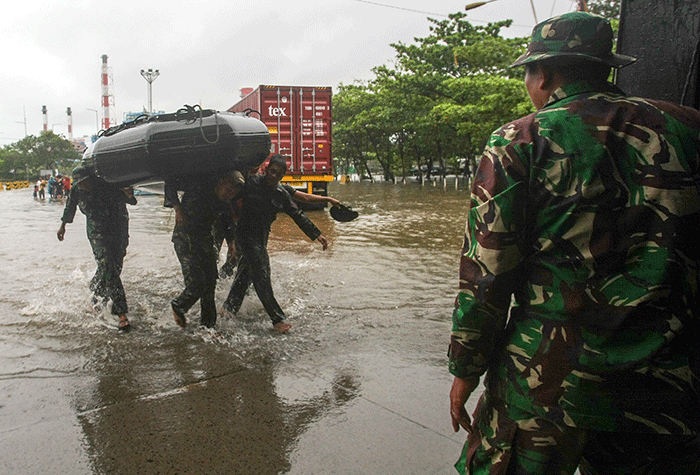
pixel 107 97
pixel 70 123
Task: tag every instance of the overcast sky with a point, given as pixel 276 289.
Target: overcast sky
pixel 205 50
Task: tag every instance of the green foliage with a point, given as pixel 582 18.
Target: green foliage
pixel 31 154
pixel 609 9
pixel 437 105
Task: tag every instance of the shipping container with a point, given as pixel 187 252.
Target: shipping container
pixel 299 119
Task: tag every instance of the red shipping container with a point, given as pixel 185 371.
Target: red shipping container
pixel 299 119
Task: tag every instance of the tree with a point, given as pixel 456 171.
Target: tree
pixel 31 154
pixel 444 95
pixel 456 70
pixel 609 9
pixel 55 151
pixel 348 134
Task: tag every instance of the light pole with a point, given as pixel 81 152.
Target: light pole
pixel 24 112
pixel 97 120
pixel 150 76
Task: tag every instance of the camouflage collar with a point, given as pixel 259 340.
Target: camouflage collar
pixel 581 87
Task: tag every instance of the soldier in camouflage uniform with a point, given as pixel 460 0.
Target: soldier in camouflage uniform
pixel 205 204
pixel 262 198
pixel 107 224
pixel 579 275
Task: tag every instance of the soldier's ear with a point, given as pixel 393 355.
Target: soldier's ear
pixel 547 79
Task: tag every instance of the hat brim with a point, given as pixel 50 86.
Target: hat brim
pixel 343 213
pixel 614 60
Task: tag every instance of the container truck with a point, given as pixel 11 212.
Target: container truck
pixel 299 119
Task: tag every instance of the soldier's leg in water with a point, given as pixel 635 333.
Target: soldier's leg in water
pixel 238 287
pixel 193 275
pixel 259 263
pixel 98 282
pixel 208 265
pixel 116 250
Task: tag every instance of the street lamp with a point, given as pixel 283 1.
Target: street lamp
pixel 97 120
pixel 474 5
pixel 150 76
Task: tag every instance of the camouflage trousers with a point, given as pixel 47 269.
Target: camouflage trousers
pixel 106 284
pixel 506 441
pixel 254 266
pixel 197 256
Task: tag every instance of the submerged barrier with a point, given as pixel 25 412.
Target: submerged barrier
pixel 13 185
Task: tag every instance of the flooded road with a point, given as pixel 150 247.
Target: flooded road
pixel 359 385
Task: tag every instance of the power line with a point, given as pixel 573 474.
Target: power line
pixel 401 8
pixel 471 20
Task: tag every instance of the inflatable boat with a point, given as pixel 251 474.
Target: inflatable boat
pixel 183 145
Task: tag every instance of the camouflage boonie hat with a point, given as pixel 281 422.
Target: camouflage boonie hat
pixel 79 174
pixel 576 34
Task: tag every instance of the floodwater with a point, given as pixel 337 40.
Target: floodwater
pixel 359 385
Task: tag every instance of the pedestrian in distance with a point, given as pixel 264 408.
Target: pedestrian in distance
pixel 205 204
pixel 107 225
pixel 262 198
pixel 59 187
pixel 579 275
pixel 52 187
pixel 66 185
pixel 42 189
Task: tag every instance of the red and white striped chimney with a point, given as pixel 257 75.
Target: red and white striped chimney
pixel 106 121
pixel 45 113
pixel 70 123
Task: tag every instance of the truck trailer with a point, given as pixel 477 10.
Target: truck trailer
pixel 299 119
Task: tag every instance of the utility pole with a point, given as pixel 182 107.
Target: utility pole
pixel 534 13
pixel 97 120
pixel 150 76
pixel 24 112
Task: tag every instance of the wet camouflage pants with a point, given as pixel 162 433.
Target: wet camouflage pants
pixel 525 445
pixel 197 256
pixel 254 266
pixel 106 283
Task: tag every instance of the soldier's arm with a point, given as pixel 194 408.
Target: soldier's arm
pixel 301 220
pixel 172 200
pixel 491 254
pixel 68 212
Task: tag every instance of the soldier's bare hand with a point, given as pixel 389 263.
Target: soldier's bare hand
pixel 460 392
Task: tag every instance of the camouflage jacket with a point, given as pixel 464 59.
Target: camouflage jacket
pixel 104 207
pixel 580 267
pixel 202 210
pixel 259 209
